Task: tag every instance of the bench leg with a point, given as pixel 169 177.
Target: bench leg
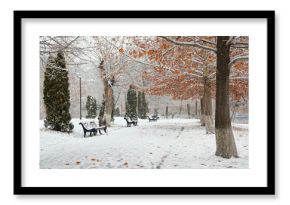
pixel 85 133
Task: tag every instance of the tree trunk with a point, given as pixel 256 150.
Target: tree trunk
pixel 207 104
pixel 225 141
pixel 196 114
pixel 108 95
pixel 166 112
pixel 188 110
pixel 180 108
pixel 202 112
pixel 109 103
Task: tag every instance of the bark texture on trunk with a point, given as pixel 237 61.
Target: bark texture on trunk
pixel 109 103
pixel 166 112
pixel 225 141
pixel 196 114
pixel 188 111
pixel 202 112
pixel 207 102
pixel 180 108
pixel 108 95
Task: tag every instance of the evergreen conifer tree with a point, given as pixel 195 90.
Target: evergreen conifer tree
pixel 142 105
pixel 56 95
pixel 102 109
pixel 91 106
pixel 131 105
pixel 145 108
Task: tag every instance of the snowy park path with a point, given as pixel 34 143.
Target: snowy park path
pixel 166 144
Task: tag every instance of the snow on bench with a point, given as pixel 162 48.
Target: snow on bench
pixel 130 121
pixel 153 118
pixel 92 128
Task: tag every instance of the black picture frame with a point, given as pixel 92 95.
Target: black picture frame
pixel 268 190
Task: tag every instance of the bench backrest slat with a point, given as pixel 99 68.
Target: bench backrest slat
pixel 86 125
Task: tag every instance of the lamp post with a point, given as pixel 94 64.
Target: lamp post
pixel 80 98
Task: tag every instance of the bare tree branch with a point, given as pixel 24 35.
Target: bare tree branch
pixel 127 55
pixel 231 39
pixel 238 58
pixel 239 78
pixel 209 42
pixel 192 44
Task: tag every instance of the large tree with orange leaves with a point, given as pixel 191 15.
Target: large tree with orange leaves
pixel 185 67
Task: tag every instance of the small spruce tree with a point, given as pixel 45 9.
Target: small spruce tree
pixel 131 105
pixel 145 108
pixel 142 105
pixel 102 109
pixel 102 113
pixel 91 106
pixel 56 94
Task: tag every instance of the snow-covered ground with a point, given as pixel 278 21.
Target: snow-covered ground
pixel 165 144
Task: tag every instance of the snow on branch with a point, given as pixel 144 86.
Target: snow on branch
pixel 211 75
pixel 240 45
pixel 207 41
pixel 60 47
pixel 237 43
pixel 238 58
pixel 239 78
pixel 127 55
pixel 193 44
pixel 231 39
pixel 148 64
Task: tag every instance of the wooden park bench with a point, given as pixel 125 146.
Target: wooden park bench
pixel 130 121
pixel 92 128
pixel 153 118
